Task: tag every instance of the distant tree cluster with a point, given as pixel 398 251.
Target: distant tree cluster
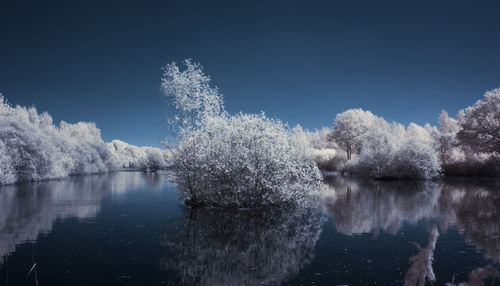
pixel 33 148
pixel 385 150
pixel 146 158
pixel 468 145
pixel 240 160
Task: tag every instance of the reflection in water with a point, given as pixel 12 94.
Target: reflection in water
pixel 473 207
pixel 369 206
pixel 478 276
pixel 26 210
pixel 220 247
pixel 421 264
pixel 241 247
pixel 475 210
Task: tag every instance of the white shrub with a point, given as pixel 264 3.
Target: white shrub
pixel 154 159
pixel 390 151
pixel 415 160
pixel 379 146
pixel 238 161
pixel 243 160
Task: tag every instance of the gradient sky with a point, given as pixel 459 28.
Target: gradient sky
pixel 300 61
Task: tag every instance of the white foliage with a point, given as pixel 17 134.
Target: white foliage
pixel 126 155
pixel 447 124
pixel 415 160
pixel 301 139
pixel 155 159
pixel 7 172
pixel 243 160
pixel 87 151
pixel 446 139
pixel 349 128
pixel 378 149
pixel 317 146
pixel 190 94
pixel 480 124
pixel 239 160
pixel 33 148
pixel 390 151
pixel 130 156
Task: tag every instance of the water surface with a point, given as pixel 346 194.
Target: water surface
pixel 130 228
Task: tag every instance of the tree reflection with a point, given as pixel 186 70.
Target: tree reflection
pixel 474 209
pixel 370 206
pixel 241 247
pixel 478 276
pixel 28 209
pixel 471 206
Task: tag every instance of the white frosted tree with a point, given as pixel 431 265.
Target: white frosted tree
pixel 480 125
pixel 446 140
pixel 388 150
pixel 33 148
pixel 232 161
pixel 189 92
pixel 7 172
pixel 349 128
pixel 377 151
pixel 154 159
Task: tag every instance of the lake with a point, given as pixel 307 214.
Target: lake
pixel 131 228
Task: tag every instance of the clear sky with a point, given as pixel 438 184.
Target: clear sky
pixel 300 61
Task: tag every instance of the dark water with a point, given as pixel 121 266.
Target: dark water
pixel 129 228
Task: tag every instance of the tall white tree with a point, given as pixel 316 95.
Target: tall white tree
pixel 349 128
pixel 189 92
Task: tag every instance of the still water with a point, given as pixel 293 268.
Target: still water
pixel 130 228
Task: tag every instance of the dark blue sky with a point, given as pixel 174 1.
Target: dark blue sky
pixel 301 61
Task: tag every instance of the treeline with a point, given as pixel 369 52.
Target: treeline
pixel 251 159
pixel 33 148
pixel 362 143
